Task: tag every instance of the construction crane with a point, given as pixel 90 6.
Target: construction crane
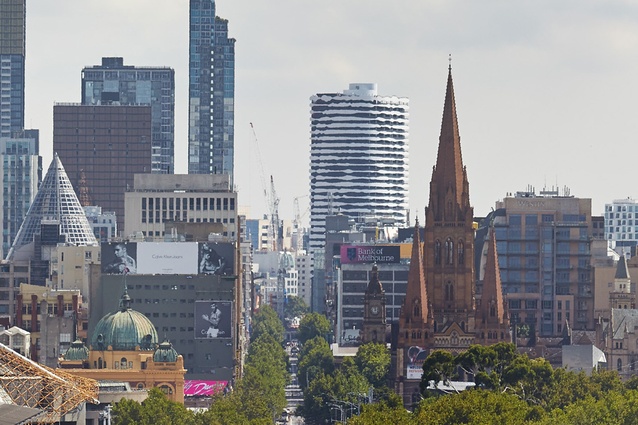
pixel 272 201
pixel 297 223
pixel 275 226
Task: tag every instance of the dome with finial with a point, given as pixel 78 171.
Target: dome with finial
pixel 124 330
pixel 165 353
pixel 77 351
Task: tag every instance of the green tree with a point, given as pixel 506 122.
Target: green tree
pixel 383 414
pixel 334 397
pixel 315 359
pixel 373 361
pixel 266 321
pixel 438 366
pixel 157 409
pixel 295 307
pixel 473 407
pixel 312 325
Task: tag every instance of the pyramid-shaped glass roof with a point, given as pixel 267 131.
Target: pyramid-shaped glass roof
pixel 55 202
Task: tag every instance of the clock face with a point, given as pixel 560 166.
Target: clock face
pixel 375 310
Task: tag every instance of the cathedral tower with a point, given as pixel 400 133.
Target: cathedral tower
pixel 449 236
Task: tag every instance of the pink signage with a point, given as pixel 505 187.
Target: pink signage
pixel 194 387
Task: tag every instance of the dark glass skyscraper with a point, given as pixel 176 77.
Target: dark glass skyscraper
pixel 12 52
pixel 211 138
pixel 113 83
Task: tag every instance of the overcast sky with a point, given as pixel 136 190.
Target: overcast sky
pixel 545 90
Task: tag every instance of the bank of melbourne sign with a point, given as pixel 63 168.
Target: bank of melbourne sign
pixel 370 254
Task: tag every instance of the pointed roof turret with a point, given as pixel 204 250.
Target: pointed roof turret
pixel 416 297
pixel 374 286
pixel 55 201
pixel 622 271
pixel 449 174
pixel 492 308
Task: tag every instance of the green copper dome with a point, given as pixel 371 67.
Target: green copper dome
pixel 125 330
pixel 165 353
pixel 77 351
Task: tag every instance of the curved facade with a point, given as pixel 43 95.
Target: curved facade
pixel 358 157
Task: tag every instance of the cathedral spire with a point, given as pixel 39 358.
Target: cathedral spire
pixel 415 305
pixel 492 310
pixel 449 179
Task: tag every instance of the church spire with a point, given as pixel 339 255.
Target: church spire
pixel 449 179
pixel 492 310
pixel 415 305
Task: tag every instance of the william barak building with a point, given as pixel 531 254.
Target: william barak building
pixel 441 309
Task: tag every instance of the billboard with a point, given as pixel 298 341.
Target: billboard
pixel 119 258
pixel 193 387
pixel 415 356
pixel 213 319
pixel 167 258
pixel 370 254
pixel 216 258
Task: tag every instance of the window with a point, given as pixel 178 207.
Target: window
pixel 449 249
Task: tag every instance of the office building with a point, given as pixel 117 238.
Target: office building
pixel 114 83
pixel 621 225
pixel 102 147
pixel 358 157
pixel 544 253
pixel 153 201
pixel 12 55
pixel 104 224
pixel 20 176
pixel 176 284
pixel 211 99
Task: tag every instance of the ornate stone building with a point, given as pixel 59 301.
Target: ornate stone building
pixel 441 310
pixel 125 347
pixel 374 315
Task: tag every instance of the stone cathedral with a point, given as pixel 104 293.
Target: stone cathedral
pixel 441 309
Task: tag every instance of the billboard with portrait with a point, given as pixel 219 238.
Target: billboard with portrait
pixel 167 258
pixel 216 258
pixel 370 254
pixel 213 319
pixel 415 356
pixel 119 258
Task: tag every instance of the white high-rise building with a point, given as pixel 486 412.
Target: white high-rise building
pixel 358 157
pixel 621 224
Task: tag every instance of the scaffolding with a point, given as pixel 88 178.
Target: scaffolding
pixel 24 382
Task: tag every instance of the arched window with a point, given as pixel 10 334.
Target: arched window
pixel 492 310
pixel 449 251
pixel 619 365
pixel 460 253
pixel 449 291
pixel 123 363
pixel 100 363
pixel 437 252
pixel 416 308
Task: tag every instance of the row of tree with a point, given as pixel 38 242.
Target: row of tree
pixel 512 389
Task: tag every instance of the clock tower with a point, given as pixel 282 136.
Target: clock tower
pixel 374 316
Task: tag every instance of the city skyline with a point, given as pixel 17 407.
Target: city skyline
pixel 542 89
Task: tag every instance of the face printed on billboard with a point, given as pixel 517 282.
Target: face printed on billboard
pixel 119 258
pixel 213 319
pixel 216 258
pixel 415 356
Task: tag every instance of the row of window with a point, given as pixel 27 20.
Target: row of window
pixel 191 204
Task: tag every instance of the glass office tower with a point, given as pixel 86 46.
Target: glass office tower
pixel 211 140
pixel 12 53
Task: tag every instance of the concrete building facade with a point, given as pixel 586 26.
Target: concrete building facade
pixel 104 146
pixel 152 201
